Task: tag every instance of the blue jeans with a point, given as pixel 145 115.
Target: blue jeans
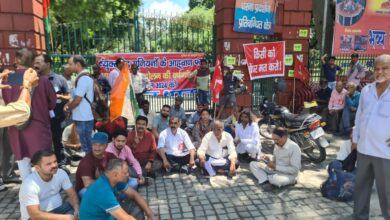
pixel 84 130
pixel 65 208
pixel 203 97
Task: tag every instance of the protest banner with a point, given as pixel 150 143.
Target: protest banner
pixel 255 16
pixel 167 71
pixel 265 59
pixel 362 27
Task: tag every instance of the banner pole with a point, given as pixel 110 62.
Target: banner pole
pixel 293 107
pixel 215 110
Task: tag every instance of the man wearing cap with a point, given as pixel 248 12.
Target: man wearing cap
pixel 356 70
pixel 178 111
pixel 93 164
pixel 228 96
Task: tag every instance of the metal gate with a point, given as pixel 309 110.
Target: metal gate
pixel 143 33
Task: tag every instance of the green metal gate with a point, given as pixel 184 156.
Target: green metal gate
pixel 142 33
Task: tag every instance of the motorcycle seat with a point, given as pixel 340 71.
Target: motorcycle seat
pixel 295 118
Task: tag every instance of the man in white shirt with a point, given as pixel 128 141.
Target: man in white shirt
pixel 372 138
pixel 39 195
pixel 115 72
pixel 140 83
pixel 217 153
pixel 80 105
pixel 247 136
pixel 283 168
pixel 175 147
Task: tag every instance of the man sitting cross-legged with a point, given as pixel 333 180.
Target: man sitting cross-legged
pixel 217 152
pixel 93 164
pixel 119 148
pixel 100 201
pixel 175 147
pixel 39 195
pixel 143 145
pixel 283 168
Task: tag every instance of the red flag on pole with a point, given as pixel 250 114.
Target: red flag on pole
pixel 216 85
pixel 300 71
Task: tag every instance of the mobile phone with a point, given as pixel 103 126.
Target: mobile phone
pixel 15 79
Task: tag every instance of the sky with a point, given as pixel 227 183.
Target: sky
pixel 165 6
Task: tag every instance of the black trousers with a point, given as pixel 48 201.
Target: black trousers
pixel 56 132
pixel 140 97
pixel 177 162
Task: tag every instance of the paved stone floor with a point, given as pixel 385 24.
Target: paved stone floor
pixel 181 196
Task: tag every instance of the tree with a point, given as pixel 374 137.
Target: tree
pixel 201 3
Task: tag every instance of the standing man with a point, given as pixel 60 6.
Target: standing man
pixel 140 82
pixel 79 106
pixel 202 82
pixel 372 138
pixel 330 70
pixel 43 64
pixel 356 70
pixel 39 195
pixel 115 72
pixel 68 75
pixel 217 153
pixel 283 168
pixel 228 96
pixel 36 134
pixel 175 147
pixel 102 80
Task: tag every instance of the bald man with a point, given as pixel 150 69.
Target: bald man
pixel 336 106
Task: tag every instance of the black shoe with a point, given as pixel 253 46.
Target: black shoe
pixel 63 167
pixel 13 178
pixel 267 187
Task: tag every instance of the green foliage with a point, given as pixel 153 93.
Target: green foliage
pixel 201 3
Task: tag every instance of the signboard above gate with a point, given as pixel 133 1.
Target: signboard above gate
pixel 255 16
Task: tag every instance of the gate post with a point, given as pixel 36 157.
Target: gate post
pixel 21 25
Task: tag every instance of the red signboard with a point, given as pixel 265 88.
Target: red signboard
pixel 362 26
pixel 167 71
pixel 265 59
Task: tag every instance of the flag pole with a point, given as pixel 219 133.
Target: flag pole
pixel 293 107
pixel 215 110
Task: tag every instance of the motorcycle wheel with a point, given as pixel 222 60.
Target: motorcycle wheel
pixel 316 153
pixel 266 128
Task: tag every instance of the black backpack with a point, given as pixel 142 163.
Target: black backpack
pixel 99 105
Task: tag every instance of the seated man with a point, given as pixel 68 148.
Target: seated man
pixel 283 168
pixel 100 201
pixel 217 153
pixel 119 148
pixel 349 112
pixel 195 117
pixel 143 145
pixel 178 111
pixel 147 112
pixel 72 145
pixel 39 194
pixel 175 147
pixel 202 127
pixel 161 121
pixel 247 137
pixel 322 98
pixel 93 164
pixel 336 106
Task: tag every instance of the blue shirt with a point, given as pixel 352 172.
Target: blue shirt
pixel 181 114
pixel 330 71
pixel 352 101
pixel 100 199
pixel 159 124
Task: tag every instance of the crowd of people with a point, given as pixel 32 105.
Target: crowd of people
pixel 55 125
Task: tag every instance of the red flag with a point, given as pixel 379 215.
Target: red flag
pixel 300 71
pixel 216 85
pixel 46 5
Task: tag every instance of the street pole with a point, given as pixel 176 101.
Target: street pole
pixel 324 21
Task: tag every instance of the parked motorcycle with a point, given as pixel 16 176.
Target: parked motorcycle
pixel 305 130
